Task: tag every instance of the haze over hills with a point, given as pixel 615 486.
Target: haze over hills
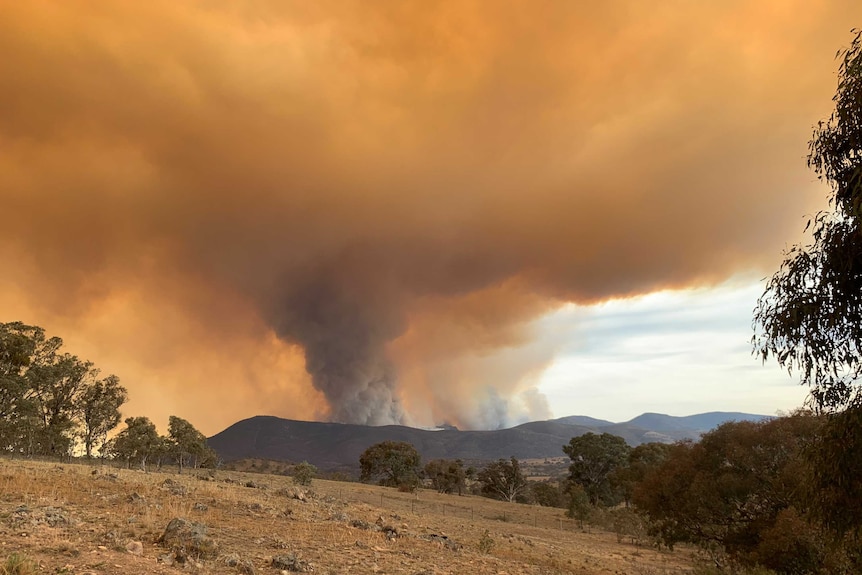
pixel 337 445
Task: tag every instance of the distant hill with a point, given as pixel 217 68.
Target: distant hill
pixel 337 445
pixel 583 420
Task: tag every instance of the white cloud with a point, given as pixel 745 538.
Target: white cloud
pixel 675 352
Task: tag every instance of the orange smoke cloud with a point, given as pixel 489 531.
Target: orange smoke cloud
pixel 356 210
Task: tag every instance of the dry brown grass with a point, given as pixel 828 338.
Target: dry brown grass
pixel 80 519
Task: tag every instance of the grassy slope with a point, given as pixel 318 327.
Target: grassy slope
pixel 77 519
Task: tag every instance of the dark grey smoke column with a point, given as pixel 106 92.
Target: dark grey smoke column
pixel 344 324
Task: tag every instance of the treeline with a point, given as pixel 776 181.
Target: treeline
pixel 751 495
pixel 55 404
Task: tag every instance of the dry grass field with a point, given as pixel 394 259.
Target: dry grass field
pixel 76 519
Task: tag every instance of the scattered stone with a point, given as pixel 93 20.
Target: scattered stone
pixel 389 530
pixel 295 493
pixel 174 487
pixel 136 497
pixel 291 562
pixel 112 535
pixel 188 539
pixel 443 540
pixel 135 547
pixel 242 565
pixel 167 559
pixel 52 516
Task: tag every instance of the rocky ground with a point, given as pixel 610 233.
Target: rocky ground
pixel 77 519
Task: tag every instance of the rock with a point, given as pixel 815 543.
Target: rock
pixel 291 562
pixel 242 565
pixel 188 539
pixel 135 547
pixel 136 497
pixel 389 530
pixel 294 493
pixel 167 559
pixel 200 507
pixel 442 540
pixel 174 487
pixel 55 516
pixel 360 524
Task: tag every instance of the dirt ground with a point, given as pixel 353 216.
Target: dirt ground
pixel 79 519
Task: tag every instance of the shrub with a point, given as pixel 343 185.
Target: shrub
pixel 486 543
pixel 18 564
pixel 304 473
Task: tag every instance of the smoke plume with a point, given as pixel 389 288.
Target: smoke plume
pixel 358 211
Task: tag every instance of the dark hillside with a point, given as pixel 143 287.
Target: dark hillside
pixel 336 445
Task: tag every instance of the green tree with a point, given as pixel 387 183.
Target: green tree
pixel 137 442
pixel 641 460
pixel 580 507
pixel 447 475
pixel 503 479
pixel 56 384
pixel 100 411
pixel 742 490
pixel 47 395
pixel 392 463
pixel 304 473
pixel 17 345
pixel 548 493
pixel 810 315
pixel 594 459
pixel 187 444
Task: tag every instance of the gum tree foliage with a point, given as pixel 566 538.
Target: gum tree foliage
pixel 741 494
pixel 810 315
pixel 47 396
pixel 594 460
pixel 447 476
pixel 100 411
pixel 641 460
pixel 138 442
pixel 186 444
pixel 549 493
pixel 17 347
pixel 304 473
pixel 392 463
pixel 503 479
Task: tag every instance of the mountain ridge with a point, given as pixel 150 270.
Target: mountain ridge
pixel 339 445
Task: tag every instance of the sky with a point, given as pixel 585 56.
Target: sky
pixel 470 212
